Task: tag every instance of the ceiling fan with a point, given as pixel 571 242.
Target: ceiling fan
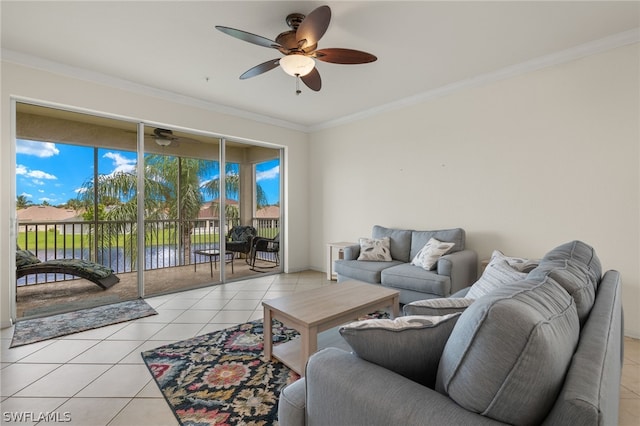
pixel 164 137
pixel 299 45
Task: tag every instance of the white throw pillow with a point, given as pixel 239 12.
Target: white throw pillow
pixel 519 263
pixel 410 345
pixel 375 249
pixel 497 273
pixel 439 306
pixel 428 255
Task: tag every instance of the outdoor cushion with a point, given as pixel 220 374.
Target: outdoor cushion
pixel 409 345
pixel 25 257
pixel 508 354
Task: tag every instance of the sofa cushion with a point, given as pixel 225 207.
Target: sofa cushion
pixel 375 249
pixel 439 306
pixel 509 352
pixel 428 256
pixel 574 277
pixel 408 277
pixel 495 275
pixel 579 252
pixel 410 345
pixel 369 272
pixel 399 239
pixel 420 238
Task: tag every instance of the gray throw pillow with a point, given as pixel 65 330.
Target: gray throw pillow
pixel 410 346
pixel 439 306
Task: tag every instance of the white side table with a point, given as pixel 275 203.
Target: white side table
pixel 335 248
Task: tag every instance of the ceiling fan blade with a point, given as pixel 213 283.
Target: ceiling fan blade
pixel 313 27
pixel 344 56
pixel 249 37
pixel 259 69
pixel 312 80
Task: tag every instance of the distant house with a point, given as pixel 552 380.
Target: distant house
pixel 43 214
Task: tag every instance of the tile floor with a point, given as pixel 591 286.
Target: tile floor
pixel 98 377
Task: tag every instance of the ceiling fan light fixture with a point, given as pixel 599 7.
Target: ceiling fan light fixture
pixel 297 65
pixel 163 141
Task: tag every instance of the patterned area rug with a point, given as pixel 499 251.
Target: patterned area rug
pixel 39 329
pixel 220 378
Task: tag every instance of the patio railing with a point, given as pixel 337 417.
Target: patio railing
pixel 168 243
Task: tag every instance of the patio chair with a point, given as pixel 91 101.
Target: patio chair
pixel 240 238
pixel 265 245
pixel 27 263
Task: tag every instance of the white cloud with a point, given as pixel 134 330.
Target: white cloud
pixel 120 163
pixel 36 175
pixel 38 149
pixel 80 190
pixel 272 173
pixel 26 194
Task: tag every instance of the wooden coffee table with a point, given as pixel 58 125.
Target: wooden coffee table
pixel 311 312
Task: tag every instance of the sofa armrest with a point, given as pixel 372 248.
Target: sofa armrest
pixel 342 389
pixel 351 252
pixel 461 267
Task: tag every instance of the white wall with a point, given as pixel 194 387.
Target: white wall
pixel 523 164
pixel 36 84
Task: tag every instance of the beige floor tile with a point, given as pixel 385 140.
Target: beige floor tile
pixel 243 304
pixel 93 411
pixel 145 412
pixel 18 376
pixel 196 316
pixel 66 380
pixel 18 353
pixel 231 317
pixel 119 381
pixel 60 351
pixel 137 331
pixel 23 411
pixel 177 332
pixel 106 352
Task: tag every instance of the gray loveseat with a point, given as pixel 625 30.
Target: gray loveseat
pixel 520 355
pixel 454 271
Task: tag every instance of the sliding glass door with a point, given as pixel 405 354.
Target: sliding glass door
pixel 156 205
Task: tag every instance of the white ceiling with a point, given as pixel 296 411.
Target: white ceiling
pixel 422 46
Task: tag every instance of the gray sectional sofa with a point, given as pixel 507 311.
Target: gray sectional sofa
pixel 454 271
pixel 523 354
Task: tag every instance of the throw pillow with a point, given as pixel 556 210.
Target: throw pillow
pixel 519 263
pixel 495 275
pixel 428 255
pixel 410 346
pixel 25 258
pixel 375 249
pixel 439 306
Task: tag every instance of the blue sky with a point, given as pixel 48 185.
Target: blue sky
pixel 47 171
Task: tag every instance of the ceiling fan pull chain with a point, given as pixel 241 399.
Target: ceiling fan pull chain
pixel 298 91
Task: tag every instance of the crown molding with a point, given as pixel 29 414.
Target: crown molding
pixel 35 62
pixel 577 52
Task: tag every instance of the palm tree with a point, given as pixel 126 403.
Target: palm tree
pixel 173 190
pixel 23 202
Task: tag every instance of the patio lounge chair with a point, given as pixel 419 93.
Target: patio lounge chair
pixel 265 245
pixel 240 238
pixel 27 263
